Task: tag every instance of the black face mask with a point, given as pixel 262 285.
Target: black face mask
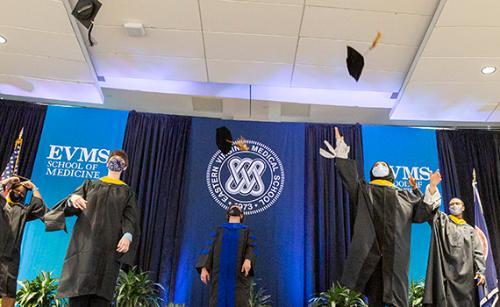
pixel 234 211
pixel 15 197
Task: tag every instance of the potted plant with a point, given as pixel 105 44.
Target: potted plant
pixel 40 292
pixel 258 296
pixel 416 293
pixel 135 289
pixel 338 296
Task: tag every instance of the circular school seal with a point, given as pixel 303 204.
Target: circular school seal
pixel 253 178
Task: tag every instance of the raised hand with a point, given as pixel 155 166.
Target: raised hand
pixel 330 153
pixel 29 185
pixel 338 136
pixel 10 180
pixel 412 181
pixel 435 178
pixel 341 150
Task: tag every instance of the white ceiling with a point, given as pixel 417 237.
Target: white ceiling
pixel 446 82
pixel 430 53
pixel 42 57
pixel 273 43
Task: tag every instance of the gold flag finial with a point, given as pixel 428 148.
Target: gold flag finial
pixel 474 181
pixel 19 140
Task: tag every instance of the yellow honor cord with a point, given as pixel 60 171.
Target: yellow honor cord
pixel 382 182
pixel 10 201
pixel 457 220
pixel 112 180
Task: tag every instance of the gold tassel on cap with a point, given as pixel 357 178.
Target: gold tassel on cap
pixel 376 40
pixel 241 144
pixel 355 60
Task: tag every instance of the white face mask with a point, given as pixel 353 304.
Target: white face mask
pixel 456 209
pixel 380 171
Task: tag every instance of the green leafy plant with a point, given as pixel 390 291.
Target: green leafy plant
pixel 40 292
pixel 135 289
pixel 258 296
pixel 416 293
pixel 338 296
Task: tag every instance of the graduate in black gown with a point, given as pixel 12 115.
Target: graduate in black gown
pixel 456 261
pixel 378 258
pixel 104 236
pixel 227 262
pixel 14 214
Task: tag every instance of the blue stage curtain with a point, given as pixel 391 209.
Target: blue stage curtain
pixel 157 146
pixel 460 152
pixel 14 116
pixel 327 213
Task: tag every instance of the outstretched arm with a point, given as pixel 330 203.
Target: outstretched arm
pixel 341 150
pixel 346 167
pixel 426 205
pixel 55 219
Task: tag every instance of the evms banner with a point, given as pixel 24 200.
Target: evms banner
pixel 407 151
pixel 74 146
pixel 268 181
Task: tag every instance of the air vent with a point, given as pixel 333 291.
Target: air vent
pixel 135 29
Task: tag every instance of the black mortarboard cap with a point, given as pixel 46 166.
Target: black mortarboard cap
pixel 85 11
pixel 224 139
pixel 355 63
pixel 355 60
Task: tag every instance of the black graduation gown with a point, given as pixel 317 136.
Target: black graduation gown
pixel 223 257
pixel 13 219
pixel 377 263
pixel 92 264
pixel 455 256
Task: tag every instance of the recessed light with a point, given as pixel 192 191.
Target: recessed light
pixel 488 70
pixel 3 40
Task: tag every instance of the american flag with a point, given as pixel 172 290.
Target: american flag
pixel 13 165
pixel 488 294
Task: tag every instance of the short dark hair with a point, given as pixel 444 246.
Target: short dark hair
pixel 120 153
